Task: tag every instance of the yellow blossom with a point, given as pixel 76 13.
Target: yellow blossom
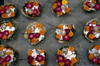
pixel 64 2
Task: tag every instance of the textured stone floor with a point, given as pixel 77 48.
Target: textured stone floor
pixel 78 17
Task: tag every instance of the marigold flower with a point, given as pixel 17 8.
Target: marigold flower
pixel 71 49
pixel 67 10
pixel 12 14
pixel 42 32
pixel 87 28
pixel 9 53
pixel 61 63
pixel 2 7
pixel 64 2
pixel 30 53
pixel 42 62
pixel 11 7
pixel 38 12
pixel 94 22
pixel 35 3
pixel 85 2
pixel 4 16
pixel 1 48
pixel 28 31
pixel 59 52
pixel 38 25
pixel 97 47
pixel 70 27
pixel 71 34
pixel 94 1
pixel 86 8
pixel 9 24
pixel 60 26
pixel 5 63
pixel 33 62
pixel 91 36
pixel 34 40
pixel 60 13
pixel 10 49
pixel 42 50
pixel 10 32
pixel 26 12
pixel 57 36
pixel 91 56
pixel 4 37
pixel 54 6
pixel 73 61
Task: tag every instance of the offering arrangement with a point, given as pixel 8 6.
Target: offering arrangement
pixel 92 30
pixel 36 57
pixel 66 56
pixel 94 54
pixel 31 9
pixel 7 55
pixel 8 11
pixel 60 7
pixel 64 32
pixel 7 30
pixel 91 5
pixel 35 32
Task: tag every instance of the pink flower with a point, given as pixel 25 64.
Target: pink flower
pixel 88 4
pixel 7 58
pixel 6 7
pixel 58 9
pixel 1 61
pixel 95 60
pixel 67 31
pixel 31 36
pixel 30 61
pixel 58 3
pixel 37 35
pixel 67 62
pixel 29 5
pixel 30 58
pixel 2 12
pixel 6 32
pixel 39 58
pixel 66 38
pixel 97 6
pixel 1 35
pixel 60 58
pixel 91 28
pixel 35 12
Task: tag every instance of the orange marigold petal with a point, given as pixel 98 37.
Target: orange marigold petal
pixel 71 49
pixel 59 52
pixel 91 56
pixel 91 36
pixel 71 34
pixel 42 62
pixel 39 25
pixel 57 36
pixel 60 13
pixel 60 26
pixel 42 32
pixel 70 27
pixel 34 40
pixel 12 14
pixel 67 10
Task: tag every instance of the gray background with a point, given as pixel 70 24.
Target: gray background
pixel 78 17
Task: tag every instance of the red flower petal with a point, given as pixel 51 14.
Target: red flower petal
pixel 39 58
pixel 60 58
pixel 7 58
pixel 66 38
pixel 1 35
pixel 29 5
pixel 6 7
pixel 67 62
pixel 6 32
pixel 31 36
pixel 1 61
pixel 95 60
pixel 37 35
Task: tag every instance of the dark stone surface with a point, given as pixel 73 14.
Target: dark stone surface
pixel 78 17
